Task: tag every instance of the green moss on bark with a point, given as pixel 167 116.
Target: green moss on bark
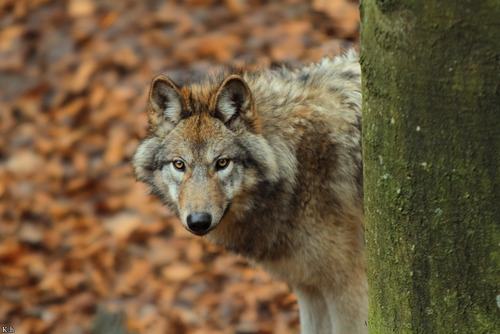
pixel 431 140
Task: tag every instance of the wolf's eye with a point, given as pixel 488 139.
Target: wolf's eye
pixel 221 164
pixel 179 165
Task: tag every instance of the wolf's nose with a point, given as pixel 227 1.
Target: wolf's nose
pixel 199 222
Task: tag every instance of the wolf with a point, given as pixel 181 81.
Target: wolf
pixel 268 164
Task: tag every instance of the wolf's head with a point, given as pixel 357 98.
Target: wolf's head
pixel 204 153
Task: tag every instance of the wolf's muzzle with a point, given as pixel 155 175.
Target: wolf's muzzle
pixel 199 222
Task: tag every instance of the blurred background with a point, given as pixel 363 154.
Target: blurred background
pixel 76 230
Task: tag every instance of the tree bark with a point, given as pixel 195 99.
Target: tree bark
pixel 431 151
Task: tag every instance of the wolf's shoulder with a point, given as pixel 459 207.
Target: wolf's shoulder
pixel 340 70
pixel 326 91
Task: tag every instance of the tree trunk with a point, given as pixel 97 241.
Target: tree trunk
pixel 431 149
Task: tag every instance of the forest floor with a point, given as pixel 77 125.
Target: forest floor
pixel 76 230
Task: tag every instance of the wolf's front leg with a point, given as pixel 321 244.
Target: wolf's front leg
pixel 314 315
pixel 323 312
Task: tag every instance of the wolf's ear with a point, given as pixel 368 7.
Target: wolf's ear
pixel 166 102
pixel 234 103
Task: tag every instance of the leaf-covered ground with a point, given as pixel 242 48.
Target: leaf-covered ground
pixel 76 230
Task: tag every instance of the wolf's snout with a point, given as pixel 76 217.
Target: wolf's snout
pixel 199 222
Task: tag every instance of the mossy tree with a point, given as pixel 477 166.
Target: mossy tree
pixel 431 141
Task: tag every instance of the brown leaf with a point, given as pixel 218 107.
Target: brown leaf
pixel 77 8
pixel 177 272
pixel 134 276
pixel 122 225
pixel 24 162
pixel 117 139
